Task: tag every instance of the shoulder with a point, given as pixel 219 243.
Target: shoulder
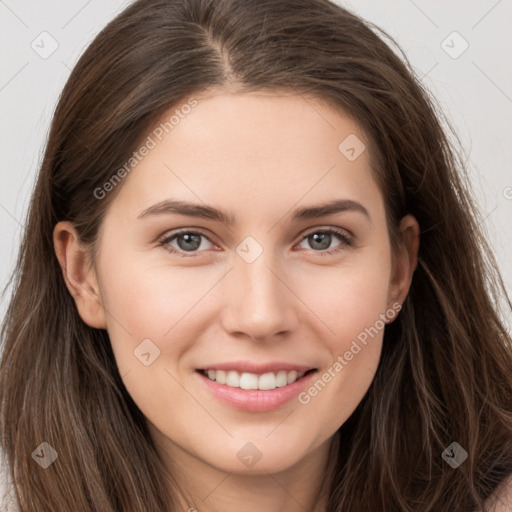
pixel 501 498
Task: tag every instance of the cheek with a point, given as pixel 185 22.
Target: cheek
pixel 347 298
pixel 357 313
pixel 353 304
pixel 361 303
pixel 151 300
pixel 149 312
pixel 151 328
pixel 339 307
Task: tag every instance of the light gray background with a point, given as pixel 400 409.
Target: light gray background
pixel 474 89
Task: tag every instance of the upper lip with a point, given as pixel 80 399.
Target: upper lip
pixel 259 369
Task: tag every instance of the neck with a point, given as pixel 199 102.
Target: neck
pixel 204 488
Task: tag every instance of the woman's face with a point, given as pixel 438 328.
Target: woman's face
pixel 257 298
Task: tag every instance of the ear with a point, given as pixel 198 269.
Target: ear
pixel 405 261
pixel 79 275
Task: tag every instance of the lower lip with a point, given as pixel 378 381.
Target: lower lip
pixel 254 400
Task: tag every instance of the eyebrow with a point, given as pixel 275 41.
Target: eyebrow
pixel 170 206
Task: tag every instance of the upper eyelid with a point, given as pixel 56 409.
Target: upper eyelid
pixel 308 232
pixel 184 231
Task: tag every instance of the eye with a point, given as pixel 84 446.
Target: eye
pixel 321 239
pixel 187 241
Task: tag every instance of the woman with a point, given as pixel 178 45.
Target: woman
pixel 256 369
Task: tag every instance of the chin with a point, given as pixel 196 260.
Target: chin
pixel 259 456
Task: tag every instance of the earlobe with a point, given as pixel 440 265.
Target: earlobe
pixel 79 276
pixel 406 261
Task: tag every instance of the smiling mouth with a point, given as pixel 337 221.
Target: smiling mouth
pixel 263 382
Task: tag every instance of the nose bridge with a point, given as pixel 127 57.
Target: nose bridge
pixel 259 303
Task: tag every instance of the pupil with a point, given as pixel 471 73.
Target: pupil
pixel 189 239
pixel 323 238
pixel 320 238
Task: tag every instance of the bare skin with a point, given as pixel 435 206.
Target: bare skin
pixel 258 157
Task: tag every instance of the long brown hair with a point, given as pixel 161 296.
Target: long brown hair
pixel 445 373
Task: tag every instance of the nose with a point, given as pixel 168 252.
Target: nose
pixel 259 302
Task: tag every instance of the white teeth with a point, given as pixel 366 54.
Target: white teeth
pixel 247 380
pixel 233 379
pixel 281 379
pixel 292 376
pixel 267 381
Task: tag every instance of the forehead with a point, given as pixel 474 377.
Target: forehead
pixel 250 152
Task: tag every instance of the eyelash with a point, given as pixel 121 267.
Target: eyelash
pixel 345 241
